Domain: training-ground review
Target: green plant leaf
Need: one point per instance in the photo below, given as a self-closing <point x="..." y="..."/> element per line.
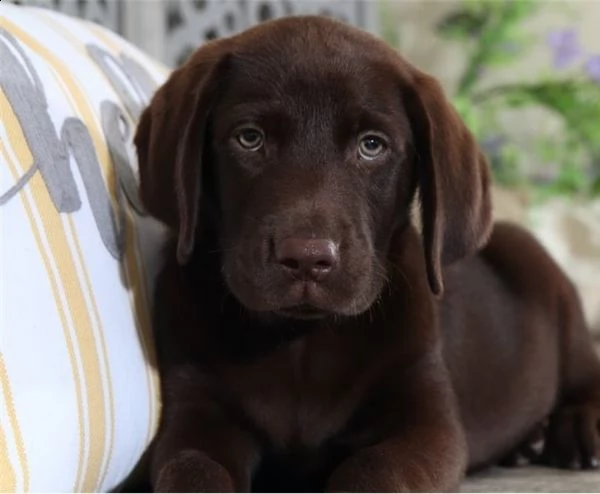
<point x="463" y="24"/>
<point x="577" y="103"/>
<point x="595" y="189"/>
<point x="499" y="57"/>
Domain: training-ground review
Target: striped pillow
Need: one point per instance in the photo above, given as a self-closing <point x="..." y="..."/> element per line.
<point x="78" y="392"/>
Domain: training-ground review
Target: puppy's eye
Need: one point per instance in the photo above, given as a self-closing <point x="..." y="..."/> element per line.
<point x="250" y="138"/>
<point x="371" y="146"/>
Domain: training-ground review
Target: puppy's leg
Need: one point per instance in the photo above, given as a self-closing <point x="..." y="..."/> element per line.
<point x="198" y="453"/>
<point x="424" y="451"/>
<point x="573" y="436"/>
<point x="402" y="464"/>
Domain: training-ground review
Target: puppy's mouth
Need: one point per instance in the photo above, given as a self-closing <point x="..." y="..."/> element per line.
<point x="302" y="311"/>
<point x="304" y="300"/>
<point x="267" y="289"/>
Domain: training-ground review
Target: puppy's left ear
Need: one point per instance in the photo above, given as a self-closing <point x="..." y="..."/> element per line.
<point x="170" y="142"/>
<point x="454" y="179"/>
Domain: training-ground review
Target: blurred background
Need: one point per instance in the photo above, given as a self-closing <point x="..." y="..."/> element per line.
<point x="524" y="75"/>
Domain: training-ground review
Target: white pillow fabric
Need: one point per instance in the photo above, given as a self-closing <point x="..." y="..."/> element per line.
<point x="79" y="396"/>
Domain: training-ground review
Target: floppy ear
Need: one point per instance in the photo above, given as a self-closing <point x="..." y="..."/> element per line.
<point x="454" y="179"/>
<point x="170" y="143"/>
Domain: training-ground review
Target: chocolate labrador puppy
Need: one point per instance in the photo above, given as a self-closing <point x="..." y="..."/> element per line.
<point x="309" y="337"/>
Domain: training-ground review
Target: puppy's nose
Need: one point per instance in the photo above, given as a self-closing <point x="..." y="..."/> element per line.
<point x="310" y="259"/>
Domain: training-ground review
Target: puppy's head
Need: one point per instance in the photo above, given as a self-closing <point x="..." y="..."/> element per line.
<point x="310" y="139"/>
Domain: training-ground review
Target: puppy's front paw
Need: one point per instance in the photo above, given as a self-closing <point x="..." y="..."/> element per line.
<point x="573" y="438"/>
<point x="193" y="471"/>
<point x="377" y="470"/>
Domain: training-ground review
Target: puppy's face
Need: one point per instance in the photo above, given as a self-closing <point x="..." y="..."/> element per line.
<point x="313" y="177"/>
<point x="310" y="137"/>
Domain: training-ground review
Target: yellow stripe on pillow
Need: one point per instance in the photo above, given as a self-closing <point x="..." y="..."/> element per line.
<point x="7" y="471"/>
<point x="105" y="390"/>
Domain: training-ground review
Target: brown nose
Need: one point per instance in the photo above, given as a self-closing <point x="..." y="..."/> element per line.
<point x="308" y="259"/>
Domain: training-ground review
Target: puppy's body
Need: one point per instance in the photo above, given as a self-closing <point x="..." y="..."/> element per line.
<point x="298" y="393"/>
<point x="533" y="356"/>
<point x="507" y="375"/>
<point x="300" y="341"/>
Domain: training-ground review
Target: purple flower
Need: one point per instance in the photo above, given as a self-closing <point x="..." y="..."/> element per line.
<point x="592" y="66"/>
<point x="565" y="47"/>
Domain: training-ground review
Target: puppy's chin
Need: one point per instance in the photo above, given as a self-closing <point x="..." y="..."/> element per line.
<point x="304" y="312"/>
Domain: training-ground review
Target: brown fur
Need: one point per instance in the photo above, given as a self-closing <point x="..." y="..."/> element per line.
<point x="416" y="357"/>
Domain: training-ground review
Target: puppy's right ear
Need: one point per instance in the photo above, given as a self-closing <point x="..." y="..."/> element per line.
<point x="170" y="140"/>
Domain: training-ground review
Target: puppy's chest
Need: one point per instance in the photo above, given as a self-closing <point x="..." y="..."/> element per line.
<point x="298" y="398"/>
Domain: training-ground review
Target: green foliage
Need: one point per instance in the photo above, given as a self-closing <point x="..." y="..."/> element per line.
<point x="493" y="34"/>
